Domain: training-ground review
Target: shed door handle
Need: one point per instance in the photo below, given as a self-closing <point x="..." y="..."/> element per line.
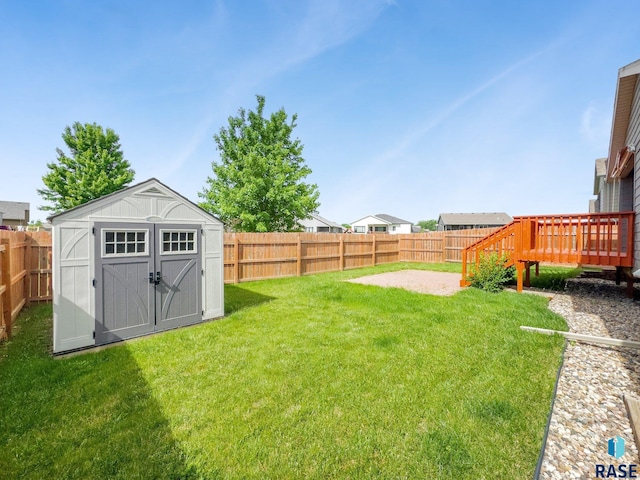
<point x="158" y="278"/>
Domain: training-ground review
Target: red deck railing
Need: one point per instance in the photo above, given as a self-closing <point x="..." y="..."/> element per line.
<point x="586" y="239"/>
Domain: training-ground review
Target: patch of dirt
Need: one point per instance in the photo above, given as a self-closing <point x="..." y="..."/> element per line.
<point x="422" y="281"/>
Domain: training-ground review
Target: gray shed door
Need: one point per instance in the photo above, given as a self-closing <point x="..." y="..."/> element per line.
<point x="148" y="278"/>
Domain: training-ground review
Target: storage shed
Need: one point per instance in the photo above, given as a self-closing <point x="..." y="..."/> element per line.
<point x="140" y="260"/>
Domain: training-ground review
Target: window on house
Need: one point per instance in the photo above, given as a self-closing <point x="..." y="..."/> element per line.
<point x="380" y="229"/>
<point x="308" y="229"/>
<point x="359" y="229"/>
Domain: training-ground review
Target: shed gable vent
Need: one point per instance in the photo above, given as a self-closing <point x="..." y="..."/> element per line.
<point x="153" y="191"/>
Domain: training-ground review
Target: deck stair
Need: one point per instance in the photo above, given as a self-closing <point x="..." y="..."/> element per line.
<point x="602" y="239"/>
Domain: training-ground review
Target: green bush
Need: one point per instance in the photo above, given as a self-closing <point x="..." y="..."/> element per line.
<point x="490" y="274"/>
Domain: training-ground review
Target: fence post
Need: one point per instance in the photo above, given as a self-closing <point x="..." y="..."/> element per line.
<point x="341" y="252"/>
<point x="299" y="260"/>
<point x="7" y="305"/>
<point x="28" y="266"/>
<point x="236" y="256"/>
<point x="373" y="249"/>
<point x="3" y="288"/>
<point x="463" y="281"/>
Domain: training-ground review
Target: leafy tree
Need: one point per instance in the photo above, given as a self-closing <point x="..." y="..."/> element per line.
<point x="258" y="184"/>
<point x="95" y="168"/>
<point x="428" y="225"/>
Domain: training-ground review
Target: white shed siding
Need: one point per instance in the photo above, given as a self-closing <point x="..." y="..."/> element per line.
<point x="71" y="287"/>
<point x="74" y="256"/>
<point x="213" y="265"/>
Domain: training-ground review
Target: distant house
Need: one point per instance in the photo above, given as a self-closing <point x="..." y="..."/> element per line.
<point x="464" y="221"/>
<point x="381" y="223"/>
<point x="600" y="188"/>
<point x="14" y="214"/>
<point x="318" y="224"/>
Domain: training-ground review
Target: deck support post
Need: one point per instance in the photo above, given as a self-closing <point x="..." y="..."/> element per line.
<point x="519" y="271"/>
<point x="527" y="275"/>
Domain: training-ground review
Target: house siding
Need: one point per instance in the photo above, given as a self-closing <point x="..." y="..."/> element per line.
<point x="611" y="196"/>
<point x="626" y="194"/>
<point x="636" y="203"/>
<point x="633" y="138"/>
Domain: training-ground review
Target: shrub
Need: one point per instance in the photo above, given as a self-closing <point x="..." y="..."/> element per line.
<point x="490" y="273"/>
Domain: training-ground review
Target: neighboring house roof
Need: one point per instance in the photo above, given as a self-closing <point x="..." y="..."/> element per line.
<point x="328" y="223"/>
<point x="625" y="90"/>
<point x="14" y="210"/>
<point x="494" y="218"/>
<point x="384" y="218"/>
<point x="391" y="218"/>
<point x="416" y="229"/>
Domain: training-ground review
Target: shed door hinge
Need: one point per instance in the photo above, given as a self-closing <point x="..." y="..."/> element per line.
<point x="202" y="312"/>
<point x="94" y="334"/>
<point x="93" y="282"/>
<point x="202" y="271"/>
<point x="93" y="230"/>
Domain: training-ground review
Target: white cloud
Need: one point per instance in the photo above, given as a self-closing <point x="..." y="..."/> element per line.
<point x="595" y="124"/>
<point x="325" y="25"/>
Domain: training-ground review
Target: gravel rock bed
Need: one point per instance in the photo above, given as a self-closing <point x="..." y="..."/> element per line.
<point x="588" y="408"/>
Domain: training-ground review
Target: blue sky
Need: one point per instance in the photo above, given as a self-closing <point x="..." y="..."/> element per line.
<point x="409" y="108"/>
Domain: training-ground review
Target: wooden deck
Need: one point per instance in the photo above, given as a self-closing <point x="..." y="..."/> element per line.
<point x="602" y="239"/>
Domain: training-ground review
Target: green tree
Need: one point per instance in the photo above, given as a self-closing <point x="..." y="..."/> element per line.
<point x="258" y="184"/>
<point x="428" y="225"/>
<point x="96" y="167"/>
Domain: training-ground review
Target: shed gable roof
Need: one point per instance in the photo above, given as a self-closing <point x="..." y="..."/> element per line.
<point x="151" y="186"/>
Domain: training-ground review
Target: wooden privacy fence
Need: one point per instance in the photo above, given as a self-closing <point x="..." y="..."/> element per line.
<point x="25" y="273"/>
<point x="258" y="256"/>
<point x="25" y="258"/>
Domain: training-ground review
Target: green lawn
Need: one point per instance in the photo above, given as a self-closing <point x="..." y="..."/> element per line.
<point x="305" y="377"/>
